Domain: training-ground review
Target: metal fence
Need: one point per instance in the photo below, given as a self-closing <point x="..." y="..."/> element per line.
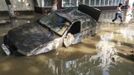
<point x="70" y="3"/>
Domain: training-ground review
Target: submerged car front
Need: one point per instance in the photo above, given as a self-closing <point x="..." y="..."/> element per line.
<point x="34" y="38"/>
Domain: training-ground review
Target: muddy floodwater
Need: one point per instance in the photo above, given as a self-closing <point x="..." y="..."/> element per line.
<point x="74" y="60"/>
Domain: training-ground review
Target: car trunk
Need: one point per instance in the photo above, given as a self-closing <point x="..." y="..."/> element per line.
<point x="93" y="12"/>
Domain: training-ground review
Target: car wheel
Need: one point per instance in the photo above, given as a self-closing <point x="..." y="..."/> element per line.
<point x="68" y="40"/>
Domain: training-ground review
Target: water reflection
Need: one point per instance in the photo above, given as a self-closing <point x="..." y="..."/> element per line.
<point x="79" y="66"/>
<point x="82" y="66"/>
<point x="128" y="33"/>
<point x="106" y="52"/>
<point x="48" y="65"/>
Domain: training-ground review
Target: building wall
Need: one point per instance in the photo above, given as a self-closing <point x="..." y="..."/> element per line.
<point x="98" y="3"/>
<point x="108" y="15"/>
<point x="18" y="5"/>
<point x="108" y="7"/>
<point x="45" y="6"/>
<point x="43" y="3"/>
<point x="105" y="5"/>
<point x="3" y="6"/>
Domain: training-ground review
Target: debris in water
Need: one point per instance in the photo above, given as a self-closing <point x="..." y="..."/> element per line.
<point x="106" y="51"/>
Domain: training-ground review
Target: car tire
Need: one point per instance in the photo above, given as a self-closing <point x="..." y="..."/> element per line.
<point x="68" y="40"/>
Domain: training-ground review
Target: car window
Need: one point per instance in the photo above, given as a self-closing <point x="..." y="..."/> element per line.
<point x="55" y="22"/>
<point x="86" y="24"/>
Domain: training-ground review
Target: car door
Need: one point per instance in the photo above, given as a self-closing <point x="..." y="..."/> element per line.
<point x="73" y="35"/>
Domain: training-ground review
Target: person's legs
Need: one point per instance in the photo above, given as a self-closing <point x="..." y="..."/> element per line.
<point x="116" y="15"/>
<point x="120" y="16"/>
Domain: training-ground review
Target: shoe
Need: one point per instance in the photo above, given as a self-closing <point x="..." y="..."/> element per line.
<point x="112" y="20"/>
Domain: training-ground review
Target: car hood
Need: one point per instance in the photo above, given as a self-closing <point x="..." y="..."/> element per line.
<point x="30" y="36"/>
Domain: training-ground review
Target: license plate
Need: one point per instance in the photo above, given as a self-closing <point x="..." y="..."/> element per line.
<point x="5" y="49"/>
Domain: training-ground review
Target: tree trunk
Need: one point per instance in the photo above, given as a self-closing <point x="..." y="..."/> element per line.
<point x="55" y="3"/>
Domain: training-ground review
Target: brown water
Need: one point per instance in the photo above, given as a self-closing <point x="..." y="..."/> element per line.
<point x="74" y="60"/>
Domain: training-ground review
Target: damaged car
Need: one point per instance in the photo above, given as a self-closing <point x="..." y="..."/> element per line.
<point x="63" y="27"/>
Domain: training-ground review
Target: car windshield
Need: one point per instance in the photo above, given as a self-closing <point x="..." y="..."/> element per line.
<point x="55" y="22"/>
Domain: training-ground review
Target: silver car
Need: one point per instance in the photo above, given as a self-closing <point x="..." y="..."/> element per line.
<point x="60" y="28"/>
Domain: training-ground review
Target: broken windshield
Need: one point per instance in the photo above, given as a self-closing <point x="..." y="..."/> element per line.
<point x="55" y="22"/>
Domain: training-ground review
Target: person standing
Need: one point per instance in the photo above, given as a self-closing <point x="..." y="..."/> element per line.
<point x="118" y="13"/>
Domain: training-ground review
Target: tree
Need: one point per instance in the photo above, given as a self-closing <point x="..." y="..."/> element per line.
<point x="54" y="6"/>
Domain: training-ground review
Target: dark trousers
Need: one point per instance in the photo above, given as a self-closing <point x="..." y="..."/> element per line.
<point x="118" y="15"/>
